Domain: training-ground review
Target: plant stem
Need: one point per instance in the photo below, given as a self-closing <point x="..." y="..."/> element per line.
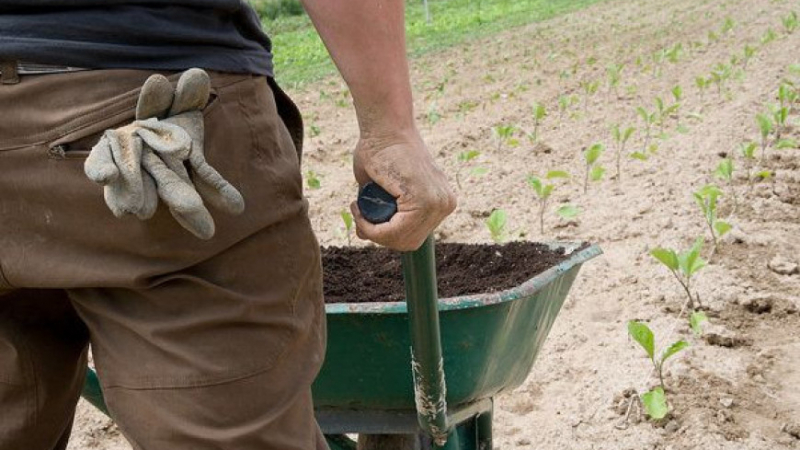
<point x="542" y="208"/>
<point x="586" y="180"/>
<point x="685" y="288"/>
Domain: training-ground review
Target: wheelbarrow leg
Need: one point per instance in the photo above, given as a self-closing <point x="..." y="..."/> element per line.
<point x="404" y="442"/>
<point x="484" y="425"/>
<point x="389" y="442"/>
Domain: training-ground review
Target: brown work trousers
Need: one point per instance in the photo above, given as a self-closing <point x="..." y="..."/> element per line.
<point x="198" y="344"/>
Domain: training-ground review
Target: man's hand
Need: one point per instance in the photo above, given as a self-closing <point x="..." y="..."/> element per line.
<point x="401" y="164"/>
<point x="366" y="39"/>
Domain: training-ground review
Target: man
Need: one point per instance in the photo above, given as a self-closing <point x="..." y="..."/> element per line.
<point x="199" y="343"/>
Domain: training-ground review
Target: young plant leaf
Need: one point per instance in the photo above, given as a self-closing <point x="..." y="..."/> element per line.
<point x="696" y="321"/>
<point x="568" y="211"/>
<point x="556" y="174"/>
<point x="347" y="219"/>
<point x="690" y="261"/>
<point x="497" y="224"/>
<point x="597" y="173"/>
<point x="722" y="227"/>
<point x="312" y="180"/>
<point x="724" y="170"/>
<point x="655" y="403"/>
<point x="764" y="175"/>
<point x="468" y="155"/>
<point x="479" y="171"/>
<point x="642" y="334"/>
<point x="673" y="349"/>
<point x="786" y="143"/>
<point x="640" y="156"/>
<point x="593" y="153"/>
<point x="667" y="257"/>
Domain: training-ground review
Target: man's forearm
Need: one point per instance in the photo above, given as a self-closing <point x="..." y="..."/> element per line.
<point x="366" y="40"/>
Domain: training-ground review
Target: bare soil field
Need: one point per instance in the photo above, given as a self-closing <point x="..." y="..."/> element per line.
<point x="737" y="386"/>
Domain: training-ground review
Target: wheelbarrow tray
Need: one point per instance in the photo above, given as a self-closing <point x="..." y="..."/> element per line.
<point x="489" y="342"/>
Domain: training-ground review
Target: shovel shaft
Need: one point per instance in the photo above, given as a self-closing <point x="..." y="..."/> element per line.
<point x="419" y="272"/>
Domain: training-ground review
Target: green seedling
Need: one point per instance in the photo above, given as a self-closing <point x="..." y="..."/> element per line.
<point x="496" y="223"/>
<point x="790" y="23"/>
<point x="655" y="403"/>
<point x="727" y="26"/>
<point x="539" y="113"/>
<point x="621" y="138"/>
<point x="544" y="191"/>
<point x="614" y="72"/>
<point x="769" y="36"/>
<point x="312" y="180"/>
<point x="673" y="55"/>
<point x="720" y="75"/>
<point x="649" y="120"/>
<point x="765" y="126"/>
<point x="589" y="88"/>
<point x="657" y="59"/>
<point x="779" y="116"/>
<point x="683" y="266"/>
<point x="748" y="54"/>
<point x="347" y="220"/>
<point x="505" y="135"/>
<point x="748" y="151"/>
<point x="702" y="85"/>
<point x="563" y="105"/>
<point x="724" y="172"/>
<point x="787" y="95"/>
<point x="593" y="170"/>
<point x="696" y="321"/>
<point x="707" y="199"/>
<point x="677" y="95"/>
<point x="433" y="115"/>
<point x="564" y="102"/>
<point x="464" y="158"/>
<point x="664" y="112"/>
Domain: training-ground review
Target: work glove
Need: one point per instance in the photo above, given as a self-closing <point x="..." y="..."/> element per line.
<point x="160" y="155"/>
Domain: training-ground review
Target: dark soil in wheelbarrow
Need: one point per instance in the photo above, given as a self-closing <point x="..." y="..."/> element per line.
<point x="372" y="274"/>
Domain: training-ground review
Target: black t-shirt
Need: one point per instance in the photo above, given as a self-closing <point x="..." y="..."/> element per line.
<point x="222" y="35"/>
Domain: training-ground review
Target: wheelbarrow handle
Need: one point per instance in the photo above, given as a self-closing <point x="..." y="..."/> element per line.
<point x="419" y="273"/>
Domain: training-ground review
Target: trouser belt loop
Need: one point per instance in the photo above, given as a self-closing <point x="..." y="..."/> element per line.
<point x="8" y="72"/>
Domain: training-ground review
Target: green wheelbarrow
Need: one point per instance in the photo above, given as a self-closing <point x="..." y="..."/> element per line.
<point x="463" y="352"/>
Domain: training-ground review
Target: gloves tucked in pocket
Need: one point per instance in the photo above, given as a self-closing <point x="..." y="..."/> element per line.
<point x="160" y="155"/>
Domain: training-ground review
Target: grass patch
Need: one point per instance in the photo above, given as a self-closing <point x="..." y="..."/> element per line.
<point x="300" y="56"/>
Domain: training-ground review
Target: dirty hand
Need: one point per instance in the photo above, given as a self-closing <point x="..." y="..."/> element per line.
<point x="401" y="164"/>
<point x="167" y="132"/>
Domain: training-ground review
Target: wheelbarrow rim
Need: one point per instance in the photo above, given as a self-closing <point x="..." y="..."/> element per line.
<point x="579" y="252"/>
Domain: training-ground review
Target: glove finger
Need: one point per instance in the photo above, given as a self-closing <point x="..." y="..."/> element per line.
<point x="165" y="137"/>
<point x="183" y="201"/>
<point x="213" y="187"/>
<point x="155" y="98"/>
<point x="177" y="193"/>
<point x="192" y="92"/>
<point x="177" y="165"/>
<point x="192" y="123"/>
<point x="199" y="223"/>
<point x="99" y="165"/>
<point x="150" y="197"/>
<point x="126" y="194"/>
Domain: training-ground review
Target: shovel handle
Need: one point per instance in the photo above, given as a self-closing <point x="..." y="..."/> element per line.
<point x="419" y="273"/>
